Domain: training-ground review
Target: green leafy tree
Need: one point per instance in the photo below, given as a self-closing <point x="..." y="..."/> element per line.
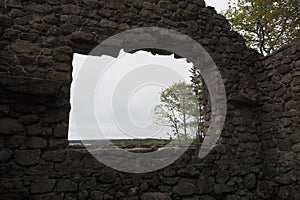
<point x="197" y="91"/>
<point x="265" y="24"/>
<point x="179" y="110"/>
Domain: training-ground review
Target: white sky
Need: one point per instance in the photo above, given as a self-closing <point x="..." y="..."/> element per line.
<point x="119" y="116"/>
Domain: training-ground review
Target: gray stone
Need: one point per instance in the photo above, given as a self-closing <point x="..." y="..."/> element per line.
<point x="37" y="129"/>
<point x="185" y="189"/>
<point x="87" y="183"/>
<point x="155" y="196"/>
<point x="83" y="195"/>
<point x="71" y="9"/>
<point x="296" y="148"/>
<point x="27" y="157"/>
<point x="4" y="110"/>
<point x="188" y="172"/>
<point x="296" y="80"/>
<point x="66" y="186"/>
<point x="36" y="143"/>
<point x="265" y="190"/>
<point x="54" y="116"/>
<point x="107" y="177"/>
<point x="284" y="179"/>
<point x="55" y="155"/>
<point x="58" y="143"/>
<point x="29" y="119"/>
<point x="286" y="193"/>
<point x="15" y="141"/>
<point x="295" y="137"/>
<point x="51" y="19"/>
<point x="250" y="181"/>
<point x="207" y="197"/>
<point x="42" y="186"/>
<point x="50" y="196"/>
<point x="82" y="36"/>
<point x="24" y="47"/>
<point x="221" y="188"/>
<point x="5" y="155"/>
<point x="133" y="191"/>
<point x="10" y="126"/>
<point x="96" y="195"/>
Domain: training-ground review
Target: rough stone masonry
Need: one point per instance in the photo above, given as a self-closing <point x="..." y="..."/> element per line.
<point x="257" y="156"/>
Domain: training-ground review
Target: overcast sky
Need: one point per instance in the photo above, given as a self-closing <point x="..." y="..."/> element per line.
<point x="127" y="92"/>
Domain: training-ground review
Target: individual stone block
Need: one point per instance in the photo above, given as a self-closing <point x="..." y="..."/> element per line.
<point x="250" y="181"/>
<point x="55" y="156"/>
<point x="61" y="130"/>
<point x="96" y="195"/>
<point x="10" y="126"/>
<point x="15" y="141"/>
<point x="4" y="110"/>
<point x="25" y="47"/>
<point x="36" y="143"/>
<point x="28" y="119"/>
<point x="50" y="196"/>
<point x="155" y="196"/>
<point x="58" y="143"/>
<point x="87" y="183"/>
<point x="42" y="186"/>
<point x="27" y="157"/>
<point x="221" y="188"/>
<point x="66" y="186"/>
<point x="5" y="155"/>
<point x="185" y="189"/>
<point x="296" y="148"/>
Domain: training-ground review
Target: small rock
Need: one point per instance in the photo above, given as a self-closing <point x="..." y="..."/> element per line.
<point x="42" y="186"/>
<point x="87" y="183"/>
<point x="10" y="126"/>
<point x="27" y="157"/>
<point x="96" y="195"/>
<point x="58" y="143"/>
<point x="220" y="188"/>
<point x="50" y="196"/>
<point x="155" y="196"/>
<point x="296" y="148"/>
<point x="287" y="193"/>
<point x="133" y="191"/>
<point x="188" y="172"/>
<point x="82" y="36"/>
<point x="5" y="155"/>
<point x="250" y="181"/>
<point x="4" y="110"/>
<point x="15" y="141"/>
<point x="28" y="119"/>
<point x="295" y="137"/>
<point x="71" y="9"/>
<point x="25" y="47"/>
<point x="36" y="143"/>
<point x="51" y="19"/>
<point x="83" y="195"/>
<point x="265" y="190"/>
<point x="185" y="189"/>
<point x="284" y="179"/>
<point x="66" y="186"/>
<point x="55" y="156"/>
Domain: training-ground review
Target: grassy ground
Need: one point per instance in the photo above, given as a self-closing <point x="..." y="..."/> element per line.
<point x="127" y="143"/>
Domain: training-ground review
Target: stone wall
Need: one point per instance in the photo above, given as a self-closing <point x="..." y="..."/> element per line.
<point x="278" y="81"/>
<point x="257" y="156"/>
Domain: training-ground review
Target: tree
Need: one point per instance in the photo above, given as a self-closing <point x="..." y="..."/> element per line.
<point x="179" y="110"/>
<point x="198" y="90"/>
<point x="265" y="24"/>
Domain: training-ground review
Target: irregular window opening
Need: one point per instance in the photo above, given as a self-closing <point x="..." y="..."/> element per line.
<point x="162" y="94"/>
